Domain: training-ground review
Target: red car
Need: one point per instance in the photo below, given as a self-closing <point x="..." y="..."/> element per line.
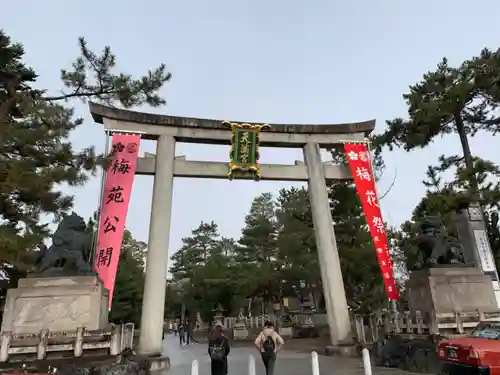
<point x="478" y="354"/>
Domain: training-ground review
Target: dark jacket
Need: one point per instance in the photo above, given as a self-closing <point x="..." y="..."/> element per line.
<point x="219" y="367"/>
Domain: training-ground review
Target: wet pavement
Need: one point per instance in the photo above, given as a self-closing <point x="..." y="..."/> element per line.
<point x="288" y="362"/>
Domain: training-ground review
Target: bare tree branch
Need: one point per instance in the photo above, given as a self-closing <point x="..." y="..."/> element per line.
<point x="390" y="186"/>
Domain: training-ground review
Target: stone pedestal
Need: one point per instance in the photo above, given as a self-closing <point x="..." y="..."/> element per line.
<point x="240" y="331"/>
<point x="286" y="332"/>
<point x="450" y="289"/>
<point x="56" y="304"/>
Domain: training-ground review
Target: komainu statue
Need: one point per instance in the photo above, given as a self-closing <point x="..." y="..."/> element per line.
<point x="69" y="254"/>
<point x="435" y="247"/>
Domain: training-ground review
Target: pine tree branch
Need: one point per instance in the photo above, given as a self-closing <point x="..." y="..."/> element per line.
<point x="384" y="194"/>
<point x="11" y="91"/>
<point x="79" y="95"/>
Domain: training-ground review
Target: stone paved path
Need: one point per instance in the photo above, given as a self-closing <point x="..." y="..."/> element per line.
<point x="288" y="363"/>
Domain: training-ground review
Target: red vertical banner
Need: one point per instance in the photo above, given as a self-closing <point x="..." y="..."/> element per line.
<point x="114" y="206"/>
<point x="360" y="165"/>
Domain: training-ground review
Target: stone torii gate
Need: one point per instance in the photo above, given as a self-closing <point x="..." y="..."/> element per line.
<point x="164" y="166"/>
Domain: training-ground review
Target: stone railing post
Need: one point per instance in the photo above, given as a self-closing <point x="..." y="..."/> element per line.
<point x="78" y="347"/>
<point x="420" y="321"/>
<point x="41" y="349"/>
<point x="114" y="347"/>
<point x="127" y="341"/>
<point x="5" y="339"/>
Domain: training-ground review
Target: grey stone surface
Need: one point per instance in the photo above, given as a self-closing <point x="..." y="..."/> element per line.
<point x="240" y="331"/>
<point x="465" y="228"/>
<point x="286" y="332"/>
<point x="288" y="363"/>
<point x="100" y="111"/>
<point x="56" y="304"/>
<point x="218" y="170"/>
<point x="477" y="248"/>
<point x="339" y="321"/>
<point x="451" y="289"/>
<point x="153" y="301"/>
<point x="469" y="223"/>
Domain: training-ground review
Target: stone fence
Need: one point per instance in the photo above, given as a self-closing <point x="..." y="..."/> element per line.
<point x="371" y="328"/>
<point x="55" y="345"/>
<point x="257" y="322"/>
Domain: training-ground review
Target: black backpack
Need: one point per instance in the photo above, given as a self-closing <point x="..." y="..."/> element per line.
<point x="218" y="353"/>
<point x="268" y="345"/>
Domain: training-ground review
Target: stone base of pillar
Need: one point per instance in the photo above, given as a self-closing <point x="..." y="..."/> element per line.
<point x="343" y="351"/>
<point x="159" y="363"/>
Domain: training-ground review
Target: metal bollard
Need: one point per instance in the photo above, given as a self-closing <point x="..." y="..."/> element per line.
<point x="367" y="364"/>
<point x="315" y="363"/>
<point x="194" y="367"/>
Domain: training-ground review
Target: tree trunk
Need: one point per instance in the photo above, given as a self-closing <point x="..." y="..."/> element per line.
<point x="469" y="163"/>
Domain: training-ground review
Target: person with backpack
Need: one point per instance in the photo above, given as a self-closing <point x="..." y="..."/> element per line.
<point x="218" y="350"/>
<point x="181" y="331"/>
<point x="269" y="342"/>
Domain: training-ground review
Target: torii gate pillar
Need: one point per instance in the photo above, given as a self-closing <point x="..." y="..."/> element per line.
<point x="333" y="285"/>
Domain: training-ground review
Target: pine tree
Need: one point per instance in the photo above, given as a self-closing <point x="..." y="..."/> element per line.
<point x="459" y="100"/>
<point x="450" y="100"/>
<point x="297" y="246"/>
<point x="258" y="237"/>
<point x="257" y="253"/>
<point x="129" y="284"/>
<point x="204" y="273"/>
<point x="36" y="156"/>
<point x="196" y="250"/>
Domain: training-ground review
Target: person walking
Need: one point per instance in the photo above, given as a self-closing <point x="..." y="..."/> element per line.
<point x="189" y="332"/>
<point x="174" y="328"/>
<point x="269" y="342"/>
<point x="180" y="331"/>
<point x="218" y="350"/>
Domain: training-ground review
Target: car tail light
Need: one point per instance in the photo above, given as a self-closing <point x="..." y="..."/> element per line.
<point x="441" y="353"/>
<point x="473" y="354"/>
<point x="473" y="357"/>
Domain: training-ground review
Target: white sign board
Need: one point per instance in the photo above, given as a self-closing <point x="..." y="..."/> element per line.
<point x="484" y="251"/>
<point x="486" y="258"/>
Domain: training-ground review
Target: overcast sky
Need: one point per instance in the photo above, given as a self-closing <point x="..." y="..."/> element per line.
<point x="316" y="61"/>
